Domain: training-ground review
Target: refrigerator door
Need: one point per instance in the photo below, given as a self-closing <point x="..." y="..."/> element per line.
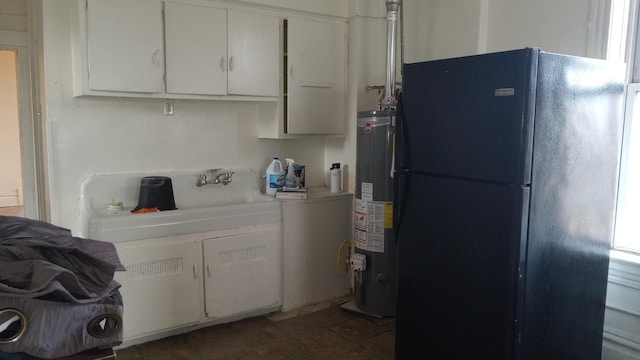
<point x="573" y="197"/>
<point x="459" y="259"/>
<point x="471" y="117"/>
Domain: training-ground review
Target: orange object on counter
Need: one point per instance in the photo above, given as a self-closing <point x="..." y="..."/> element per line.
<point x="145" y="210"/>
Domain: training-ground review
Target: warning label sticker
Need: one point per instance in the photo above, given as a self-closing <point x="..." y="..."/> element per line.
<point x="370" y="224"/>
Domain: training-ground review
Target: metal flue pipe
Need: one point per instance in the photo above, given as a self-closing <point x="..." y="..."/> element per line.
<point x="393" y="8"/>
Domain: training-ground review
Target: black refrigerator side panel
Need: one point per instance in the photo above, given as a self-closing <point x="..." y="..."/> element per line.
<point x="573" y="190"/>
<point x="459" y="258"/>
<point x="471" y="117"/>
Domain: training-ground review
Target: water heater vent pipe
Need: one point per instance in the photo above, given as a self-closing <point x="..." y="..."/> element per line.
<point x="393" y="8"/>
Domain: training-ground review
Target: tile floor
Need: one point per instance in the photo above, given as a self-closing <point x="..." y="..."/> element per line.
<point x="325" y="333"/>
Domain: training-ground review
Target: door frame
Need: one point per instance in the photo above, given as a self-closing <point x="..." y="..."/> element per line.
<point x="31" y="137"/>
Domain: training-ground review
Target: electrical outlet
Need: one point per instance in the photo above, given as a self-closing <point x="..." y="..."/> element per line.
<point x="168" y="107"/>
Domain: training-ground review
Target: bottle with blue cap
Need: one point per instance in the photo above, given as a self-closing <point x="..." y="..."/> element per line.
<point x="274" y="177"/>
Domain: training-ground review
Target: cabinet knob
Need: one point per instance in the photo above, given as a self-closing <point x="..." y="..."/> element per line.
<point x="231" y="63"/>
<point x="155" y="58"/>
<point x="223" y="63"/>
<point x="208" y="270"/>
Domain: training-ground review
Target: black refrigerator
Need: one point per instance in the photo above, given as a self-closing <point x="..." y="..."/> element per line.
<point x="507" y="168"/>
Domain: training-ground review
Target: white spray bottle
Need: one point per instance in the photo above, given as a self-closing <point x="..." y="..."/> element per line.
<point x="290" y="179"/>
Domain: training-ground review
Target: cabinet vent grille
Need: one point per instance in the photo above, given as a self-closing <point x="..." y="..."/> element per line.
<point x="156" y="268"/>
<point x="243" y="255"/>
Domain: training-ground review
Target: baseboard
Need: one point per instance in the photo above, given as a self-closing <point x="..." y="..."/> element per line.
<point x="9" y="199"/>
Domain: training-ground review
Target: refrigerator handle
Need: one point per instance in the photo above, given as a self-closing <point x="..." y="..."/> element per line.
<point x="400" y="187"/>
<point x="401" y="162"/>
<point x="402" y="159"/>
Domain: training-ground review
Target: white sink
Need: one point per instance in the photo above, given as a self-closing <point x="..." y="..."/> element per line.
<point x="200" y="209"/>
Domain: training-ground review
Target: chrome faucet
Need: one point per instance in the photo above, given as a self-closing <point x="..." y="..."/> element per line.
<point x="219" y="177"/>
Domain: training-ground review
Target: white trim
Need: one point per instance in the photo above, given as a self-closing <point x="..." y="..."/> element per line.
<point x="483" y="23"/>
<point x="623" y="257"/>
<point x="598" y="24"/>
<point x="13" y="38"/>
<point x="620" y="338"/>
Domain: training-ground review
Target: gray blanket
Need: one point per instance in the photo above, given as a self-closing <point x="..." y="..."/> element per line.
<point x="40" y="260"/>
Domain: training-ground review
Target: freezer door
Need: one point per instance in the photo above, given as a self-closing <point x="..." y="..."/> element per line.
<point x="470" y="117"/>
<point x="459" y="258"/>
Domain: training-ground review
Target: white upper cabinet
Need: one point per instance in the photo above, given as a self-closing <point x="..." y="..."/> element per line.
<point x="124" y="45"/>
<point x="254" y="54"/>
<point x="213" y="51"/>
<point x="196" y="49"/>
<point x="316" y="86"/>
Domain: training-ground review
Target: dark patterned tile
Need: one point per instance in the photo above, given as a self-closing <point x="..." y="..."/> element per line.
<point x="358" y="329"/>
<point x="301" y="325"/>
<point x="330" y="333"/>
<point x="333" y="316"/>
<point x="351" y="351"/>
<point x="323" y="339"/>
<point x="285" y="350"/>
<point x="383" y="343"/>
<point x="130" y="353"/>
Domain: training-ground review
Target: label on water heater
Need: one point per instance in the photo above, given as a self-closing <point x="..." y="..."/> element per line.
<point x="367" y="191"/>
<point x="369" y="225"/>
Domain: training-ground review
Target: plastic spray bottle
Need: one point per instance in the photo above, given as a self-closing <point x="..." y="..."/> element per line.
<point x="290" y="180"/>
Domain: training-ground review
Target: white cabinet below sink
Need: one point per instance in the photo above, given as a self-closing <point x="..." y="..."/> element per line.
<point x="243" y="271"/>
<point x="176" y="281"/>
<point x="161" y="288"/>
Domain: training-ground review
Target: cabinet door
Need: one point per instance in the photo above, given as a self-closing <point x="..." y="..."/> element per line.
<point x="254" y="54"/>
<point x="161" y="287"/>
<point x="316" y="53"/>
<point x="196" y="49"/>
<point x="125" y="45"/>
<point x="243" y="272"/>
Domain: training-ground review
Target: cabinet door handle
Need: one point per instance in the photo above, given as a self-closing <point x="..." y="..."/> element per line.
<point x="208" y="270"/>
<point x="155" y="58"/>
<point x="231" y="63"/>
<point x="195" y="271"/>
<point x="223" y="63"/>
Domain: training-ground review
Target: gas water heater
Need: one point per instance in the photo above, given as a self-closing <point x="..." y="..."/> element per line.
<point x="374" y="260"/>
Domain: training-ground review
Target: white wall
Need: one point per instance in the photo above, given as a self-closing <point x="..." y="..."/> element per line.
<point x="91" y="135"/>
<point x="552" y="25"/>
<point x="437" y="29"/>
<point x="11" y="175"/>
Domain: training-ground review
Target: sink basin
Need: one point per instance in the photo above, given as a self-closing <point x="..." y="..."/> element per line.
<point x="199" y="209"/>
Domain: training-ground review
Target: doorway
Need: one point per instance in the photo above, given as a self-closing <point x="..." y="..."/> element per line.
<point x="11" y="191"/>
<point x="22" y="171"/>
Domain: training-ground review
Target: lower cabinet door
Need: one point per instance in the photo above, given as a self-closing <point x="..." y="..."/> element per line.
<point x="242" y="271"/>
<point x="161" y="287"/>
